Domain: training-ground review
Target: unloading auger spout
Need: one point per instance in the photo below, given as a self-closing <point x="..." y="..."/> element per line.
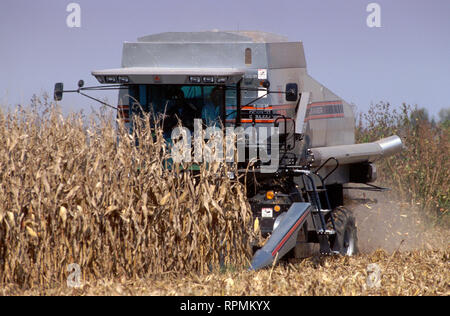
<point x="356" y="153"/>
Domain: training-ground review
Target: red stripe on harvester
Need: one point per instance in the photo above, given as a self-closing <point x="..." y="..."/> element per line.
<point x="256" y="108"/>
<point x="283" y="107"/>
<point x="288" y="235"/>
<point x="256" y="121"/>
<point x="325" y="103"/>
<point x="316" y="117"/>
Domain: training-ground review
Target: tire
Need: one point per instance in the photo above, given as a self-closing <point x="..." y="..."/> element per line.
<point x="346" y="238"/>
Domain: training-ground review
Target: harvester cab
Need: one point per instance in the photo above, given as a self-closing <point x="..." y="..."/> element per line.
<point x="298" y="134"/>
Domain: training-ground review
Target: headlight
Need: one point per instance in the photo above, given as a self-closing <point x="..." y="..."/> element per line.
<point x="195" y="79"/>
<point x="123" y="79"/>
<point x="100" y="79"/>
<point x="208" y="79"/>
<point x="110" y="79"/>
<point x="221" y="79"/>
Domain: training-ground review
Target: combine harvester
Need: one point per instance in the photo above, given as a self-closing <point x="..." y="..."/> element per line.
<point x="258" y="80"/>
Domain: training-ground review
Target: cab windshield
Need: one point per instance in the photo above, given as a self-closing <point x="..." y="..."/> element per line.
<point x="170" y="103"/>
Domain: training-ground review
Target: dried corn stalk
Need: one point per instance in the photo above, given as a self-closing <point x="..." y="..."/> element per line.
<point x="70" y="192"/>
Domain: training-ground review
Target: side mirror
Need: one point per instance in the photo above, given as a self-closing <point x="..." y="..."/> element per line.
<point x="291" y="92"/>
<point x="59" y="89"/>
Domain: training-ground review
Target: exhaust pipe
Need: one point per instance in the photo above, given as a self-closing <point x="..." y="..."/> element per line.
<point x="356" y="153"/>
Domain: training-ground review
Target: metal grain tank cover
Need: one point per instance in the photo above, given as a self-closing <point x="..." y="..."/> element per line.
<point x="214" y="50"/>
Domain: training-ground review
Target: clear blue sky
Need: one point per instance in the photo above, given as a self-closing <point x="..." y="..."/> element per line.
<point x="406" y="60"/>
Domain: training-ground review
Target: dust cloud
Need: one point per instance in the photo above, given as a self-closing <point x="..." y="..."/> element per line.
<point x="386" y="222"/>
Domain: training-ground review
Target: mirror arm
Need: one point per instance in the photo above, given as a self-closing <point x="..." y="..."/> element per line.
<point x="95" y="99"/>
<point x="111" y="87"/>
<point x="81" y="88"/>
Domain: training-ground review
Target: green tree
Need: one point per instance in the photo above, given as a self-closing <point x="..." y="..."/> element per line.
<point x="444" y="117"/>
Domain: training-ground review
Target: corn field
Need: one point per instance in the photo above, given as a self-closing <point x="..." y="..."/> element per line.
<point x="421" y="172"/>
<point x="80" y="191"/>
<point x="77" y="190"/>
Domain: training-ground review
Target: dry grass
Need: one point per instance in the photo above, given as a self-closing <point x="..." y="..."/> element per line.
<point x="70" y="193"/>
<point x="408" y="273"/>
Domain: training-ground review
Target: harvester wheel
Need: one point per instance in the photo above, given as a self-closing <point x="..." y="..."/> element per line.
<point x="346" y="240"/>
